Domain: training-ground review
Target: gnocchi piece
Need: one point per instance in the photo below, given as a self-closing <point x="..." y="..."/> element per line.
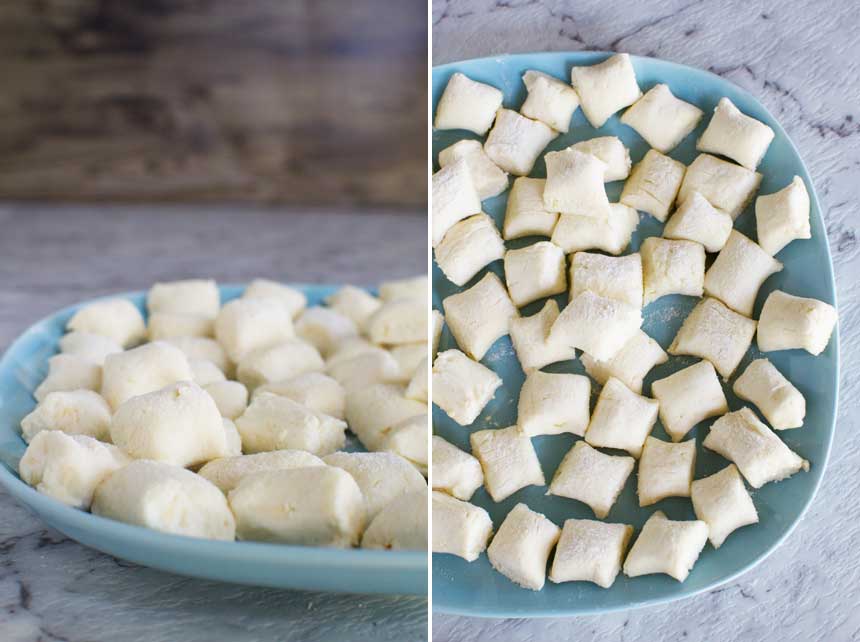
<point x="349" y="348"/>
<point x="552" y="404"/>
<point x="598" y="325"/>
<point x="142" y="370"/>
<point x="525" y="214"/>
<point x="590" y="551"/>
<point x="672" y="267"/>
<point x="354" y="303"/>
<point x="467" y="104"/>
<point x="630" y="365"/>
<point x="459" y="528"/>
<point x="781" y="403"/>
<point x="697" y="220"/>
<point x="419" y="383"/>
<point x="515" y="142"/>
<point x="653" y="185"/>
<point x="310" y="506"/>
<point x="759" y="454"/>
<point x="723" y="503"/>
<point x="205" y="372"/>
<point x="621" y="419"/>
<point x="293" y="299"/>
<point x="191" y="297"/>
<point x="788" y="322"/>
<point x="92" y="347"/>
<point x="783" y="216"/>
<point x="245" y="325"/>
<point x="455" y="471"/>
<point x="666" y="546"/>
<point x="489" y="180"/>
<point x="165" y="498"/>
<point x="366" y="369"/>
<point x="665" y="470"/>
<point x="202" y="348"/>
<point x="409" y="356"/>
<point x="738" y="272"/>
<point x="521" y="547"/>
<point x="574" y="184"/>
<point x="116" y="319"/>
<point x="231" y="397"/>
<point x="373" y="412"/>
<point x="662" y="119"/>
<point x="68" y="467"/>
<point x="532" y="342"/>
<point x="591" y="477"/>
<point x="534" y="272"/>
<point x="278" y="362"/>
<point x="67" y="372"/>
<point x="227" y="472"/>
<point x="611" y="151"/>
<point x="618" y="278"/>
<point x="508" y="459"/>
<point x="726" y="186"/>
<point x="234" y="439"/>
<point x="549" y="100"/>
<point x="415" y="288"/>
<point x="462" y="387"/>
<point x="733" y="134"/>
<point x="605" y="88"/>
<point x="325" y="329"/>
<point x="688" y="397"/>
<point x="401" y="525"/>
<point x="575" y="233"/>
<point x="454" y="198"/>
<point x="408" y="439"/>
<point x="167" y="325"/>
<point x="716" y="333"/>
<point x="468" y="247"/>
<point x="74" y="412"/>
<point x="477" y="317"/>
<point x="438" y="323"/>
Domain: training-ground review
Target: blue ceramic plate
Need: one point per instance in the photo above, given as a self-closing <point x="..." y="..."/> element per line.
<point x="476" y="589"/>
<point x="320" y="569"/>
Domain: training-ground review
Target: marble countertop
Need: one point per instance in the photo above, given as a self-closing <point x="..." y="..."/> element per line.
<point x="55" y="590"/>
<point x="802" y="64"/>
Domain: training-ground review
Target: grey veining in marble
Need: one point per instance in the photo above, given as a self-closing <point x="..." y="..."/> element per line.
<point x="55" y="590"/>
<point x="800" y="59"/>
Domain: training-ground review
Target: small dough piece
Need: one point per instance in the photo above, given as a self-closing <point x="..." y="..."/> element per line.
<point x="467" y="104"/>
<point x="192" y="297"/>
<point x="227" y="472"/>
<point x="630" y="365"/>
<point x="374" y="412"/>
<point x="245" y="325"/>
<point x="202" y="348"/>
<point x="611" y="151"/>
<point x="401" y="525"/>
<point x="314" y="390"/>
<point x="783" y="216"/>
<point x="534" y="272"/>
<point x="574" y="184"/>
<point x="599" y="326"/>
<point x="738" y="272"/>
<point x="468" y="247"/>
<point x="662" y="119"/>
<point x="508" y="459"/>
<point x="552" y="404"/>
<point x="521" y="547"/>
<point x="409" y="356"/>
<point x="459" y="528"/>
<point x="605" y="88"/>
<point x="714" y="332"/>
<point x="653" y="184"/>
<point x="74" y="412"/>
<point x="167" y="325"/>
<point x="454" y="198"/>
<point x="455" y="471"/>
<point x="672" y="267"/>
<point x="462" y="387"/>
<point x="231" y="397"/>
<point x="418" y="387"/>
<point x="234" y="439"/>
<point x="414" y="288"/>
<point x="92" y="347"/>
<point x="67" y="372"/>
<point x="735" y="135"/>
<point x="760" y="455"/>
<point x="205" y="372"/>
<point x="438" y="321"/>
<point x="697" y="220"/>
<point x="479" y="316"/>
<point x="278" y="362"/>
<point x="549" y="100"/>
<point x="788" y="322"/>
<point x="293" y="299"/>
<point x="354" y="303"/>
<point x="116" y="319"/>
<point x="726" y="186"/>
<point x="665" y="470"/>
<point x="325" y="329"/>
<point x="349" y="348"/>
<point x="666" y="546"/>
<point x="165" y="498"/>
<point x="68" y="467"/>
<point x="618" y="278"/>
<point x="621" y="419"/>
<point x="309" y="506"/>
<point x="515" y="142"/>
<point x="688" y="397"/>
<point x="723" y="503"/>
<point x="489" y="180"/>
<point x="575" y="233"/>
<point x="532" y="340"/>
<point x="142" y="370"/>
<point x="408" y="439"/>
<point x="591" y="477"/>
<point x="781" y="403"/>
<point x="365" y="369"/>
<point x="590" y="551"/>
<point x="525" y="214"/>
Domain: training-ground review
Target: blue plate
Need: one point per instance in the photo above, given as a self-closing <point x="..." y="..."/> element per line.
<point x="476" y="589"/>
<point x="297" y="567"/>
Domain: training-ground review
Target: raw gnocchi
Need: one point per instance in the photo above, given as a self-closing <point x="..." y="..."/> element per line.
<point x="789" y="321"/>
<point x="597" y="325"/>
<point x="489" y="179"/>
<point x="459" y="528"/>
<point x="549" y="100"/>
<point x="688" y="397"/>
<point x="467" y="104"/>
<point x="621" y="419"/>
<point x="666" y="546"/>
<point x="590" y="551"/>
<point x="653" y="184"/>
<point x="515" y="142"/>
<point x="591" y="477"/>
<point x="468" y="247"/>
<point x="533" y="343"/>
<point x="508" y="459"/>
<point x="462" y="386"/>
<point x="521" y="547"/>
<point x="477" y="317"/>
<point x="605" y="88"/>
<point x="733" y="134"/>
<point x="779" y="401"/>
<point x="552" y="404"/>
<point x="662" y="119"/>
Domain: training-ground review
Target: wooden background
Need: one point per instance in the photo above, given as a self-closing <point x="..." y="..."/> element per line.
<point x="290" y="101"/>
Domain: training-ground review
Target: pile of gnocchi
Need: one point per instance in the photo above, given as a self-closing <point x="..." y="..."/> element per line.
<point x="228" y="422"/>
<point x="607" y="290"/>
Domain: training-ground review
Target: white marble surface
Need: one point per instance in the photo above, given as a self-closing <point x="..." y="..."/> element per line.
<point x="54" y="590"/>
<point x="800" y="59"/>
